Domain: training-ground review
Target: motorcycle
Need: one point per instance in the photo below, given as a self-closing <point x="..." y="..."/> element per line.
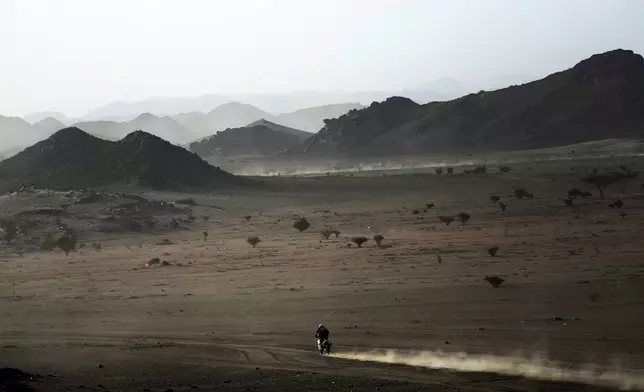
<point x="324" y="346"/>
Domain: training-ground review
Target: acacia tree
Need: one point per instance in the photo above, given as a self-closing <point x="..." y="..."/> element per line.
<point x="603" y="181"/>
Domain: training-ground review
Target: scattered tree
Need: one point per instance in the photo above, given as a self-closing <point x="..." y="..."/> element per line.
<point x="494" y="281"/>
<point x="464" y="217"/>
<point x="205" y="235"/>
<point x="253" y="241"/>
<point x="438" y="171"/>
<point x="415" y="212"/>
<point x="359" y="241"/>
<point x="569" y="201"/>
<point x="301" y="224"/>
<point x="205" y="218"/>
<point x="503" y="206"/>
<point x="247" y="217"/>
<point x="495" y="199"/>
<point x="430" y="205"/>
<point x="450" y="170"/>
<point x="326" y="233"/>
<point x="67" y="243"/>
<point x="493" y="250"/>
<point x="97" y="247"/>
<point x="603" y="181"/>
<point x="174" y="224"/>
<point x="446" y="219"/>
<point x="378" y="238"/>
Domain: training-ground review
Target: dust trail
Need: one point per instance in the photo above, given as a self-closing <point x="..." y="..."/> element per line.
<point x="535" y="367"/>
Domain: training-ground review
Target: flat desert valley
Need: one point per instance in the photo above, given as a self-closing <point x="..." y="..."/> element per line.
<point x="415" y="313"/>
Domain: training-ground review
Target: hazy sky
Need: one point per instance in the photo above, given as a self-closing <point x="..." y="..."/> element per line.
<point x="72" y="55"/>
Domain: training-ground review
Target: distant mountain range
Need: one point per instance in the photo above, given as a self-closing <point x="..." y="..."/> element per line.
<point x="179" y="129"/>
<point x="258" y="138"/>
<point x="71" y="158"/>
<point x="600" y="97"/>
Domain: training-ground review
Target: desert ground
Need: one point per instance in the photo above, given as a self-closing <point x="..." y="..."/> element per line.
<point x="222" y="315"/>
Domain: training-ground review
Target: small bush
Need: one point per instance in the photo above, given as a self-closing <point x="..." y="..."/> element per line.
<point x="492" y="251"/>
<point x="326" y="233"/>
<point x="247" y="217"/>
<point x="521" y="194"/>
<point x="205" y="218"/>
<point x="253" y="241"/>
<point x="503" y="206"/>
<point x="450" y="170"/>
<point x="359" y="241"/>
<point x="495" y="199"/>
<point x="430" y="205"/>
<point x="97" y="247"/>
<point x="415" y="212"/>
<point x="494" y="281"/>
<point x="464" y="217"/>
<point x="205" y="235"/>
<point x="301" y="224"/>
<point x="378" y="238"/>
<point x="505" y="169"/>
<point x="446" y="219"/>
<point x="438" y="171"/>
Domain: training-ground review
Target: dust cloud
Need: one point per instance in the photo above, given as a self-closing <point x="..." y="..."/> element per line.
<point x="536" y="367"/>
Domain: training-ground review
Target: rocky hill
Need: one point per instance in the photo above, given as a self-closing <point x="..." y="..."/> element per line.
<point x="47" y="126"/>
<point x="259" y="138"/>
<point x="312" y="119"/>
<point x="600" y="97"/>
<point x="71" y="158"/>
<point x="17" y="133"/>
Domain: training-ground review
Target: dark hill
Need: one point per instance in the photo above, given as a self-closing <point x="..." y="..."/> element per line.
<point x="259" y="138"/>
<point x="600" y="97"/>
<point x="72" y="158"/>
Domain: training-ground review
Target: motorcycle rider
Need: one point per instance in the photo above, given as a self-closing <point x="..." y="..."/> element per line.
<point x="322" y="333"/>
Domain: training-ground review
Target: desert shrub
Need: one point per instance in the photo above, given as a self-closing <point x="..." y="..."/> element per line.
<point x="430" y="205"/>
<point x="326" y="233"/>
<point x="593" y="297"/>
<point x="616" y="204"/>
<point x="67" y="243"/>
<point x="247" y="217"/>
<point x="187" y="201"/>
<point x="505" y="169"/>
<point x="492" y="251"/>
<point x="569" y="201"/>
<point x="494" y="281"/>
<point x="495" y="199"/>
<point x="503" y="206"/>
<point x="97" y="246"/>
<point x="253" y="241"/>
<point x="446" y="219"/>
<point x="521" y="194"/>
<point x="301" y="224"/>
<point x="415" y="212"/>
<point x="205" y="235"/>
<point x="205" y="218"/>
<point x="438" y="171"/>
<point x="10" y="230"/>
<point x="464" y="217"/>
<point x="359" y="241"/>
<point x="378" y="238"/>
<point x="450" y="170"/>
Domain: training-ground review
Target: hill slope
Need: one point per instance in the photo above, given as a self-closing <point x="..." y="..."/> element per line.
<point x="72" y="158"/>
<point x="16" y="133"/>
<point x="600" y="97"/>
<point x="312" y="119"/>
<point x="259" y="138"/>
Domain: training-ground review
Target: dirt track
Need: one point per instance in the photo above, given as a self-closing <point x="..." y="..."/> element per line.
<point x="230" y="305"/>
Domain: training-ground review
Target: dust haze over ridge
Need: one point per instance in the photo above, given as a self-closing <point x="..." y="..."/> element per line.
<point x="69" y="57"/>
